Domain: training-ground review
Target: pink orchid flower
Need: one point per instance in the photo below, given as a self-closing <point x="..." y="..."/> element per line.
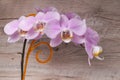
<point x="91" y="40"/>
<point x="65" y="30"/>
<point x="14" y="30"/>
<point x="40" y="22"/>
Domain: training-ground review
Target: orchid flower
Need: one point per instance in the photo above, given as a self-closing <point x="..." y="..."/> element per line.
<point x="65" y="30"/>
<point x="40" y="22"/>
<point x="91" y="39"/>
<point x="14" y="30"/>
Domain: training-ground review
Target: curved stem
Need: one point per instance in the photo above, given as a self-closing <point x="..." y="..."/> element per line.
<point x="39" y="52"/>
<point x="22" y="58"/>
<point x="31" y="48"/>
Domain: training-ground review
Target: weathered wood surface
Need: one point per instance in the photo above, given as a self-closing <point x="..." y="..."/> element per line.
<point x="70" y="62"/>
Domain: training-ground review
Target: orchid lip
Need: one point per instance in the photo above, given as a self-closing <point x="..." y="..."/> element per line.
<point x="39" y="26"/>
<point x="66" y="36"/>
<point x="22" y="33"/>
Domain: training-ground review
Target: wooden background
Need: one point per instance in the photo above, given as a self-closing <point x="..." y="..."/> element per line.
<point x="69" y="62"/>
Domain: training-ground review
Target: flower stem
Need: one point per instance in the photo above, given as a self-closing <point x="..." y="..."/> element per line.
<point x="22" y="58"/>
<point x="32" y="47"/>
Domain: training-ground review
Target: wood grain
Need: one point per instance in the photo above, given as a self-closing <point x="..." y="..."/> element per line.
<point x="69" y="62"/>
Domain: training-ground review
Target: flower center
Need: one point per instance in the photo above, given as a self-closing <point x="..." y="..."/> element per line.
<point x="39" y="27"/>
<point x="97" y="50"/>
<point x="66" y="36"/>
<point x="22" y="33"/>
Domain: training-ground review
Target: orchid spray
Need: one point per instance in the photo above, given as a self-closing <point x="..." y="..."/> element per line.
<point x="68" y="27"/>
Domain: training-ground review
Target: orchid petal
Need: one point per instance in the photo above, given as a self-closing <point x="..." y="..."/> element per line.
<point x="32" y="34"/>
<point x="77" y="26"/>
<point x="49" y="9"/>
<point x="88" y="48"/>
<point x="72" y="15"/>
<point x="56" y="41"/>
<point x="52" y="29"/>
<point x="21" y="18"/>
<point x="27" y="24"/>
<point x="49" y="16"/>
<point x="92" y="36"/>
<point x="39" y="16"/>
<point x="63" y="21"/>
<point x="11" y="27"/>
<point x="77" y="39"/>
<point x="13" y="38"/>
<point x="38" y="37"/>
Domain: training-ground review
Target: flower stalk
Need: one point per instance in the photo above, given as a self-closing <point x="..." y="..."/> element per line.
<point x="32" y="47"/>
<point x="22" y="58"/>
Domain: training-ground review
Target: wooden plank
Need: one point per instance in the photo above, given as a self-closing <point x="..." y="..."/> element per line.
<point x="64" y="64"/>
<point x="21" y="7"/>
<point x="92" y="7"/>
